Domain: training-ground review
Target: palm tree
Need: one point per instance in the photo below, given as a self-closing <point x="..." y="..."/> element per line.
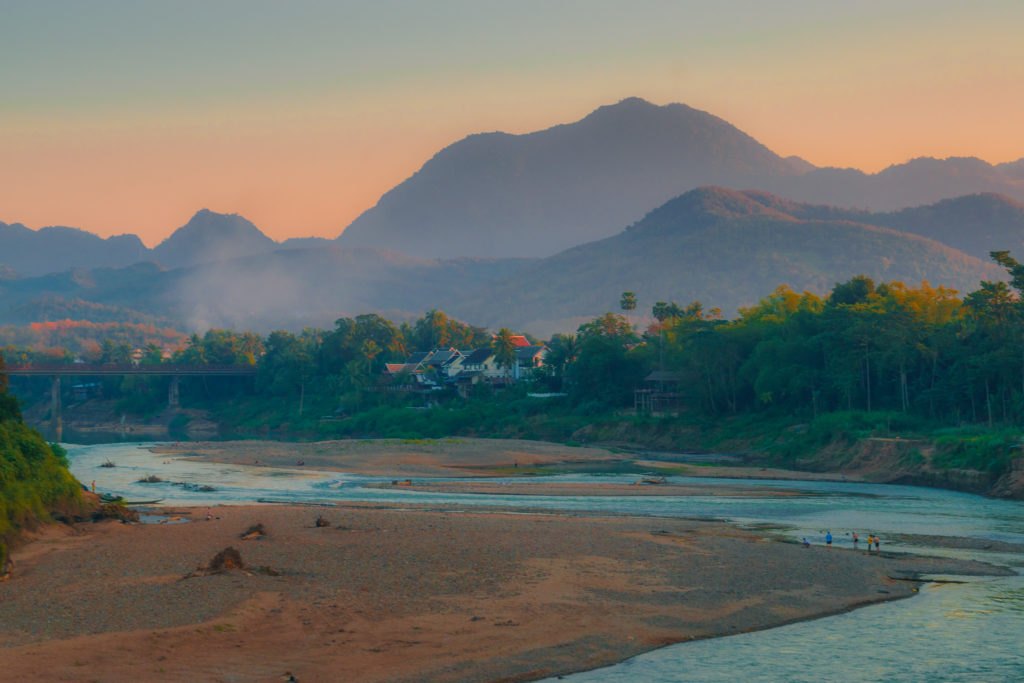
<point x="504" y="349"/>
<point x="628" y="303"/>
<point x="562" y="354"/>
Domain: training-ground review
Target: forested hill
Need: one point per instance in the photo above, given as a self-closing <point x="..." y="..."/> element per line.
<point x="52" y="249"/>
<point x="723" y="248"/>
<point x="976" y="224"/>
<point x="207" y="237"/>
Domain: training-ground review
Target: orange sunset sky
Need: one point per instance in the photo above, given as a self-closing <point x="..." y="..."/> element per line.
<point x="130" y="116"/>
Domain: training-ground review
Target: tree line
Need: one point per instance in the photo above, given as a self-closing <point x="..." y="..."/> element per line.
<point x="864" y="346"/>
<point x="891" y="347"/>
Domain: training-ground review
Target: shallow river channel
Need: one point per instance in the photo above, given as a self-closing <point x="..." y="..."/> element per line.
<point x="969" y="631"/>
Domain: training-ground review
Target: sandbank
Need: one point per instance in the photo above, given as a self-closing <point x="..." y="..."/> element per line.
<point x="453" y="457"/>
<point x="467" y="457"/>
<point x="410" y="593"/>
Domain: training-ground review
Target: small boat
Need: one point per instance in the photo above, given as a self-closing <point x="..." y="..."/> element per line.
<point x="110" y="498"/>
<point x="143" y="502"/>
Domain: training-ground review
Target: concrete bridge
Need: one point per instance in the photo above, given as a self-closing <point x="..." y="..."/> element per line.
<point x="175" y="372"/>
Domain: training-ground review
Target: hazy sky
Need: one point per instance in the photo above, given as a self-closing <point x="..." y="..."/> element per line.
<point x="128" y="116"/>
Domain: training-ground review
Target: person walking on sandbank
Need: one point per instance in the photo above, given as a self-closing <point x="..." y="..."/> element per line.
<point x="828" y="539"/>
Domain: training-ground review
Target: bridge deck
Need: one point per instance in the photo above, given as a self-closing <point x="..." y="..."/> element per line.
<point x="98" y="370"/>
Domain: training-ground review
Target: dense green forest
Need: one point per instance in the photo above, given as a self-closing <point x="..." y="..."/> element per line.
<point x="34" y="479"/>
<point x="865" y="357"/>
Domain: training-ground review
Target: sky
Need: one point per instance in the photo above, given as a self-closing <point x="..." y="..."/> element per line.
<point x="128" y="116"/>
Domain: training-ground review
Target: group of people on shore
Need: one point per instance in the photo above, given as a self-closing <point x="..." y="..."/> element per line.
<point x="872" y="539"/>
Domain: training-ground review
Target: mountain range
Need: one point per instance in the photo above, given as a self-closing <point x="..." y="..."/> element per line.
<point x="208" y="237"/>
<point x="723" y="247"/>
<point x="57" y="248"/>
<point x="726" y="249"/>
<point x="542" y="230"/>
<point x="496" y="195"/>
<point x="536" y="194"/>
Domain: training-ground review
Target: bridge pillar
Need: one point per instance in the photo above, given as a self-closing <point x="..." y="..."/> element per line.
<point x="56" y="421"/>
<point x="172" y="392"/>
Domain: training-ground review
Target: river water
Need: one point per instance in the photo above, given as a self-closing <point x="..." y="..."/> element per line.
<point x="970" y="631"/>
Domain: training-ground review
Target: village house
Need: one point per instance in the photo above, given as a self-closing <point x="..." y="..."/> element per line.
<point x="528" y="359"/>
<point x="444" y="361"/>
<point x="483" y="362"/>
<point x="428" y="370"/>
<point x="660" y="393"/>
<point x="414" y="369"/>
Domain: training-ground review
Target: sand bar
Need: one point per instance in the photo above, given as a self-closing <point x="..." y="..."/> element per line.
<point x="464" y="457"/>
<point x="454" y="457"/>
<point x="409" y="594"/>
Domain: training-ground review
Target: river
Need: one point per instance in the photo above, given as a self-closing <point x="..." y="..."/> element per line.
<point x="971" y="631"/>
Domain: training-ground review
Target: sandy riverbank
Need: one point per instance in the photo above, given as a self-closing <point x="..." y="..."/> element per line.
<point x="454" y="457"/>
<point x="408" y="594"/>
<point x="465" y="457"/>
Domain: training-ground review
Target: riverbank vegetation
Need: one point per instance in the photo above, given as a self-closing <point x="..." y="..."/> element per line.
<point x="934" y="380"/>
<point x="34" y="479"/>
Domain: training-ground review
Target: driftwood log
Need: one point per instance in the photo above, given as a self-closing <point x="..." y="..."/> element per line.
<point x="256" y="531"/>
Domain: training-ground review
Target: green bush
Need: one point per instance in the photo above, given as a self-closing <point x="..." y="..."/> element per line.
<point x="976" y="449"/>
<point x="34" y="479"/>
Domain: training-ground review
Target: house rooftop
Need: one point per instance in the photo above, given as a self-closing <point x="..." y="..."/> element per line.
<point x="527" y="352"/>
<point x="397" y="368"/>
<point x="442" y="356"/>
<point x="417" y="357"/>
<point x="478" y="356"/>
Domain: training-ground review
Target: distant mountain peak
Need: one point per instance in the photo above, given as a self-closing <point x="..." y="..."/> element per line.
<point x="637" y="112"/>
<point x="500" y="195"/>
<point x="209" y="218"/>
<point x="56" y="248"/>
<point x="704" y="206"/>
<point x="210" y="236"/>
<point x="627" y="104"/>
<point x="633" y="101"/>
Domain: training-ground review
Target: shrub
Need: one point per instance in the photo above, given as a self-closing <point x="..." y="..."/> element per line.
<point x="34" y="479"/>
